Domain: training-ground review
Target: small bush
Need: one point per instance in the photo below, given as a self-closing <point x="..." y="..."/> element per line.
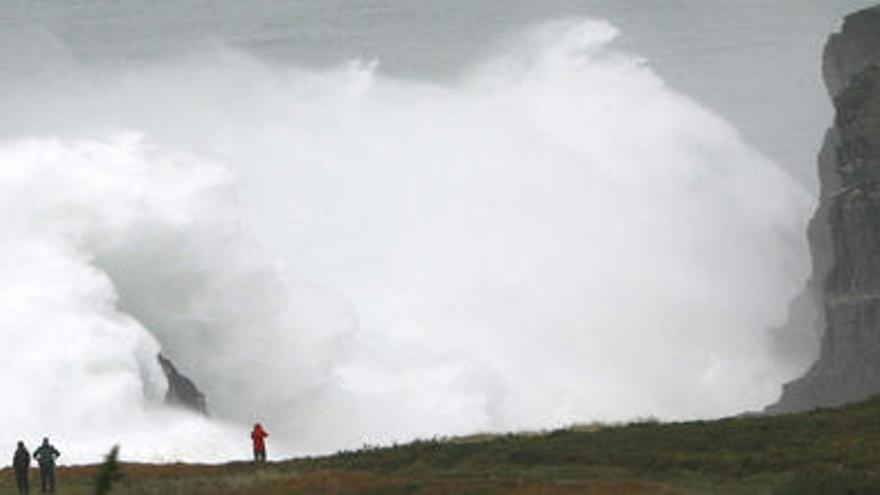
<point x="108" y="473"/>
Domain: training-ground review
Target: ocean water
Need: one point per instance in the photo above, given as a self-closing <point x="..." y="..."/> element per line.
<point x="366" y="222"/>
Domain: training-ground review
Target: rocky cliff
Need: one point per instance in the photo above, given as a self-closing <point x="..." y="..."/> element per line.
<point x="181" y="390"/>
<point x="844" y="233"/>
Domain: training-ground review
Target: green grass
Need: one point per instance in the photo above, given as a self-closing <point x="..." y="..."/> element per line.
<point x="731" y="447"/>
<point x="823" y="452"/>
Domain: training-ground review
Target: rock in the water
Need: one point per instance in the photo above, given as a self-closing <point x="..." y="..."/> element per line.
<point x="845" y="231"/>
<point x="181" y="390"/>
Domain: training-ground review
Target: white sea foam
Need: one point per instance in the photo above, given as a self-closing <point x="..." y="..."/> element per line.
<point x="349" y="258"/>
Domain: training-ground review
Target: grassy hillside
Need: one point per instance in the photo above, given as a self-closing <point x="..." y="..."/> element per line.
<point x="826" y="451"/>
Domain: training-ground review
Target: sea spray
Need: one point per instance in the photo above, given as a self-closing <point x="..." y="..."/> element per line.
<point x="556" y="236"/>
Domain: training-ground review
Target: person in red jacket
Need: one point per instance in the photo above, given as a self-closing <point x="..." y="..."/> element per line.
<point x="259" y="437"/>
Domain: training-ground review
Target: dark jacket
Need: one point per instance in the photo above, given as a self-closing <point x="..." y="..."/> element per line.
<point x="22" y="459"/>
<point x="46" y="455"/>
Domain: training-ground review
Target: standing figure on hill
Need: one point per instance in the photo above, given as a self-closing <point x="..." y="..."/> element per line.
<point x="21" y="464"/>
<point x="259" y="437"/>
<point x="45" y="456"/>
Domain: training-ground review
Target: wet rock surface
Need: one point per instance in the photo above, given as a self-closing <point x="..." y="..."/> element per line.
<point x="844" y="233"/>
<point x="182" y="391"/>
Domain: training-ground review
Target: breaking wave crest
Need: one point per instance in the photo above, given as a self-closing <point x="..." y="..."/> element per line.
<point x="555" y="237"/>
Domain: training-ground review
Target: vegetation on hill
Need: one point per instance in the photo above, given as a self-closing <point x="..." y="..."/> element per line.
<point x="831" y="451"/>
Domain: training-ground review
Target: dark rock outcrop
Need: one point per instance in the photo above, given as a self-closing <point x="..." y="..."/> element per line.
<point x="850" y="51"/>
<point x="844" y="233"/>
<point x="181" y="390"/>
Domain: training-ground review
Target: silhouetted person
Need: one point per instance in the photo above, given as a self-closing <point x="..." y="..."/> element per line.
<point x="21" y="464"/>
<point x="45" y="456"/>
<point x="259" y="437"/>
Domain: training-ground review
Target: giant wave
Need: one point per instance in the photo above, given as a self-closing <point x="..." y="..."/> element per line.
<point x="556" y="236"/>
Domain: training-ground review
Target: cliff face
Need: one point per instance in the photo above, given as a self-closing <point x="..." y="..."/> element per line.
<point x="844" y="233"/>
<point x="182" y="391"/>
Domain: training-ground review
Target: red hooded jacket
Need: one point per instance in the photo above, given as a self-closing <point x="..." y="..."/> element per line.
<point x="258" y="436"/>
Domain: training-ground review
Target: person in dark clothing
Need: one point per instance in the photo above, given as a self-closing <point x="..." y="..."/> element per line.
<point x="45" y="456"/>
<point x="259" y="437"/>
<point x="21" y="464"/>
